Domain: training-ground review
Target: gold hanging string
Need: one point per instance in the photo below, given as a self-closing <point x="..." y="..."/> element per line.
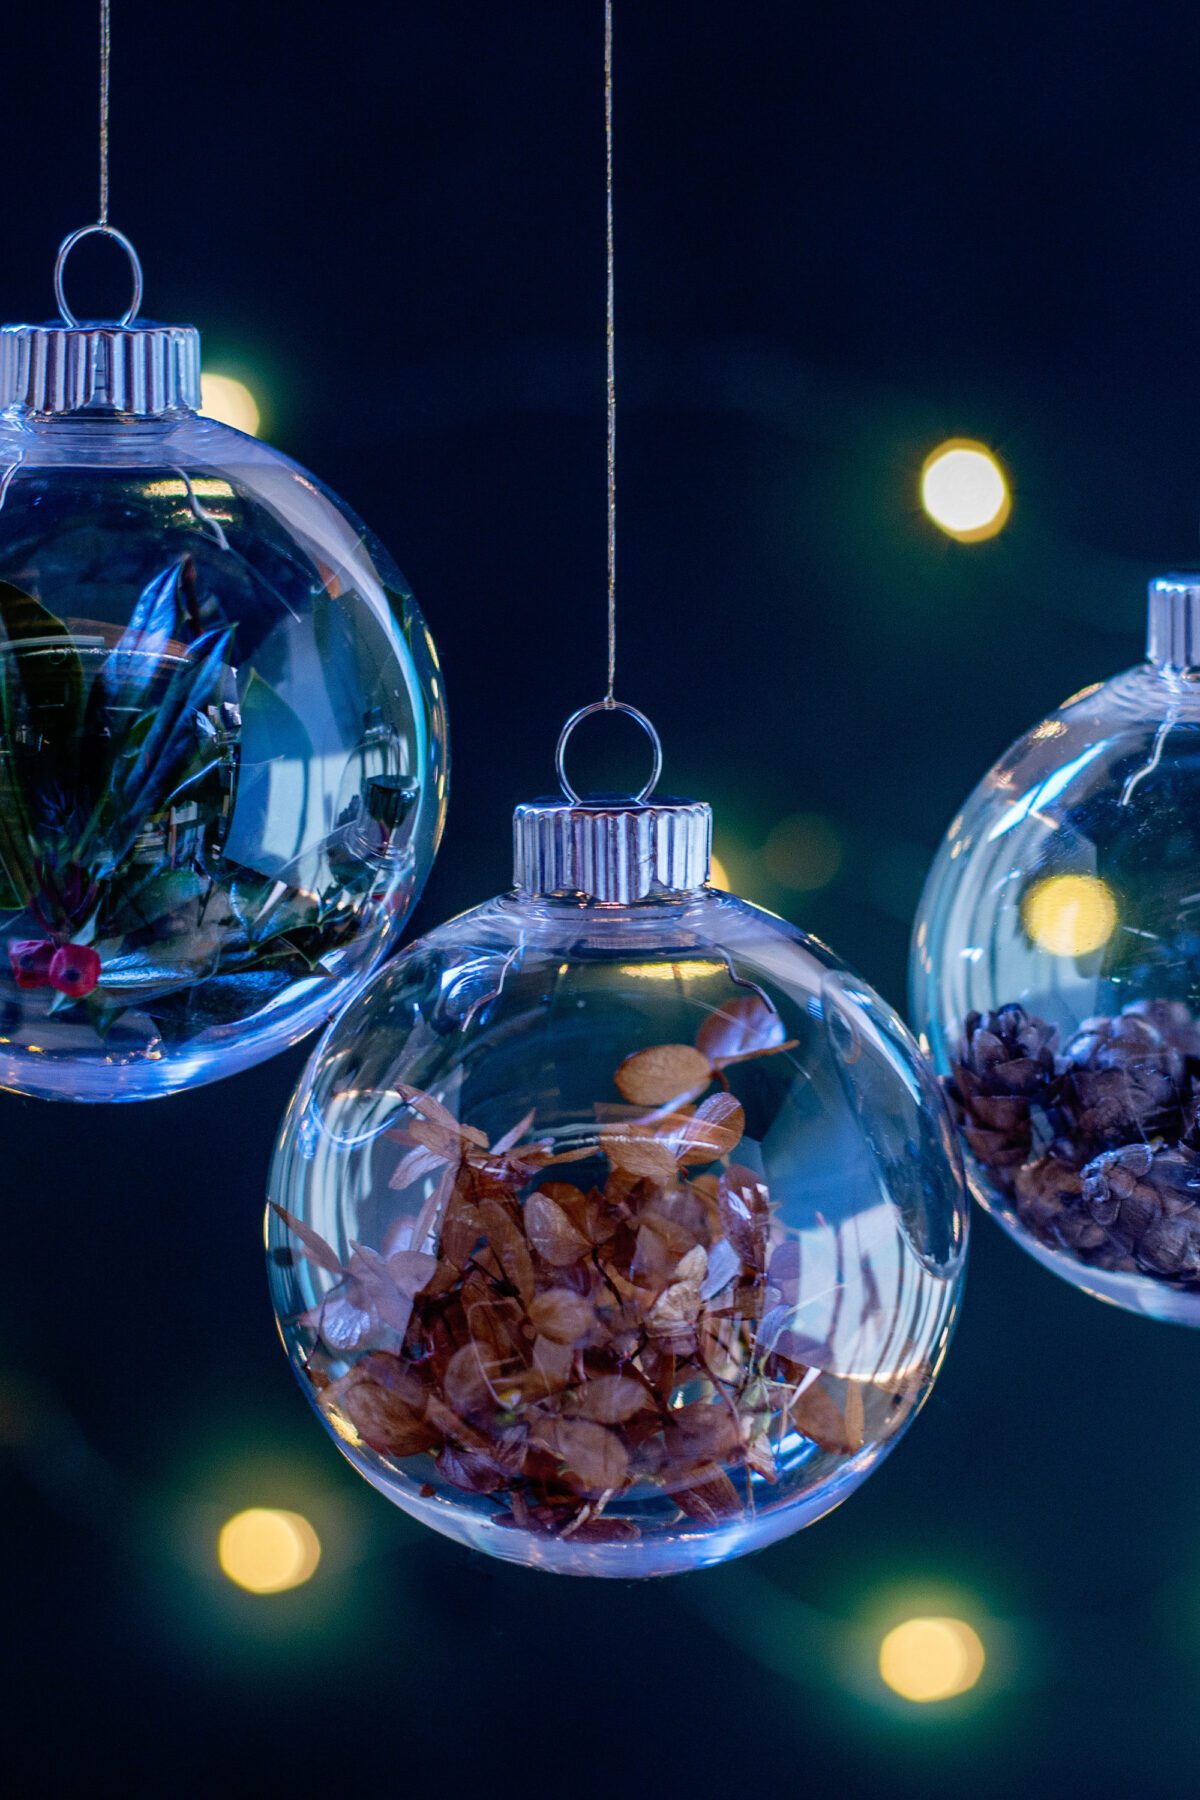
<point x="610" y="703"/>
<point x="101" y="226"/>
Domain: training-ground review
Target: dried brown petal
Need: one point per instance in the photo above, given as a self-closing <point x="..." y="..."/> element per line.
<point x="461" y="1228"/>
<point x="760" y="1457"/>
<point x="395" y="1373"/>
<point x="594" y="1458"/>
<point x="466" y="1385"/>
<point x="469" y="1470"/>
<point x="554" y="1364"/>
<point x="434" y="1113"/>
<point x="745" y="1213"/>
<point x="313" y="1245"/>
<point x="451" y="1428"/>
<point x="640" y="1151"/>
<point x="674" y="1314"/>
<point x="610" y="1399"/>
<point x="496" y="1331"/>
<point x="818" y="1415"/>
<point x="508" y="1242"/>
<point x="678" y="1227"/>
<point x="388" y="1304"/>
<point x="551" y="1233"/>
<point x="693" y="1267"/>
<point x="411" y="1269"/>
<point x="662" y="1074"/>
<point x="343" y="1325"/>
<point x="562" y="1316"/>
<point x="382" y="1418"/>
<point x="704" y="1432"/>
<point x="715" y="1129"/>
<point x="419" y="1162"/>
<point x="745" y="1027"/>
<point x="512" y="1137"/>
<point x="854" y="1415"/>
<point x="654" y="1258"/>
<point x="710" y="1500"/>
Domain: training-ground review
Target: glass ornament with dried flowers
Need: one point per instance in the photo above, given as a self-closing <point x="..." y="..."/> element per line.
<point x="1056" y="977"/>
<point x="222" y="733"/>
<point x="616" y="1228"/>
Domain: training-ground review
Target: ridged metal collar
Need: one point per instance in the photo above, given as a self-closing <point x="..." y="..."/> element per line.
<point x="611" y="849"/>
<point x="1173" y="621"/>
<point x="139" y="368"/>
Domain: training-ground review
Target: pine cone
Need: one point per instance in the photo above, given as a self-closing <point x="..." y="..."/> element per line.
<point x="1051" y="1204"/>
<point x="1147" y="1199"/>
<point x="1048" y="1194"/>
<point x="1121" y="1082"/>
<point x="1174" y="1022"/>
<point x="1005" y="1064"/>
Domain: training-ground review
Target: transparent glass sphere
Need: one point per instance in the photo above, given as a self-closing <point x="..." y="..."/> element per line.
<point x="1056" y="983"/>
<point x="616" y="1239"/>
<point x="222" y="753"/>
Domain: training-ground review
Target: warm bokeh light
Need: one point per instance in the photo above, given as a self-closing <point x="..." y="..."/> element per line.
<point x="803" y="852"/>
<point x="931" y="1659"/>
<point x="719" y="876"/>
<point x="226" y="398"/>
<point x="1070" y="915"/>
<point x="964" y="491"/>
<point x="267" y="1551"/>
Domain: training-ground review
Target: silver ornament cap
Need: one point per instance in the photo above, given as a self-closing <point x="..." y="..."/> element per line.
<point x="611" y="848"/>
<point x="128" y="365"/>
<point x="615" y="850"/>
<point x="1173" y="621"/>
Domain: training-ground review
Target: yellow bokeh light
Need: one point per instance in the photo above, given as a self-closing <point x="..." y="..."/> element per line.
<point x="226" y="398"/>
<point x="268" y="1551"/>
<point x="719" y="875"/>
<point x="931" y="1659"/>
<point x="803" y="852"/>
<point x="1070" y="915"/>
<point x="964" y="490"/>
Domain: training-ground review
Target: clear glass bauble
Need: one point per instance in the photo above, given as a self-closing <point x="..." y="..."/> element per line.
<point x="1056" y="985"/>
<point x="222" y="753"/>
<point x="616" y="1239"/>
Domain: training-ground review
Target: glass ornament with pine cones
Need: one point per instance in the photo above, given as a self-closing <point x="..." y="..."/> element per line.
<point x="1056" y="977"/>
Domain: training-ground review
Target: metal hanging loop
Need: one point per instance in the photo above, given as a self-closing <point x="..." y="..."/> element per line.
<point x="585" y="712"/>
<point x="64" y="251"/>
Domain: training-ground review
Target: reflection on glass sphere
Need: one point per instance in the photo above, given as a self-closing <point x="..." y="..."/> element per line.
<point x="616" y="1240"/>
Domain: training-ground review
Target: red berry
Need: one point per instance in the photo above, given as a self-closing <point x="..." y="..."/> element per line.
<point x="31" y="959"/>
<point x="74" y="970"/>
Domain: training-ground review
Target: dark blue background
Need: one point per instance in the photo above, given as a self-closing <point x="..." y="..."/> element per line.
<point x="843" y="234"/>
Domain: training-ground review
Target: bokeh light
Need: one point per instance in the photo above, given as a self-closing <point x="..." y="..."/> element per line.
<point x="964" y="491"/>
<point x="1070" y="915"/>
<point x="924" y="1660"/>
<point x="720" y="874"/>
<point x="268" y="1551"/>
<point x="226" y="398"/>
<point x="803" y="852"/>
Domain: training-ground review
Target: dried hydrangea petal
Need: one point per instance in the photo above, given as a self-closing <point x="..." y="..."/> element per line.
<point x="663" y="1074"/>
